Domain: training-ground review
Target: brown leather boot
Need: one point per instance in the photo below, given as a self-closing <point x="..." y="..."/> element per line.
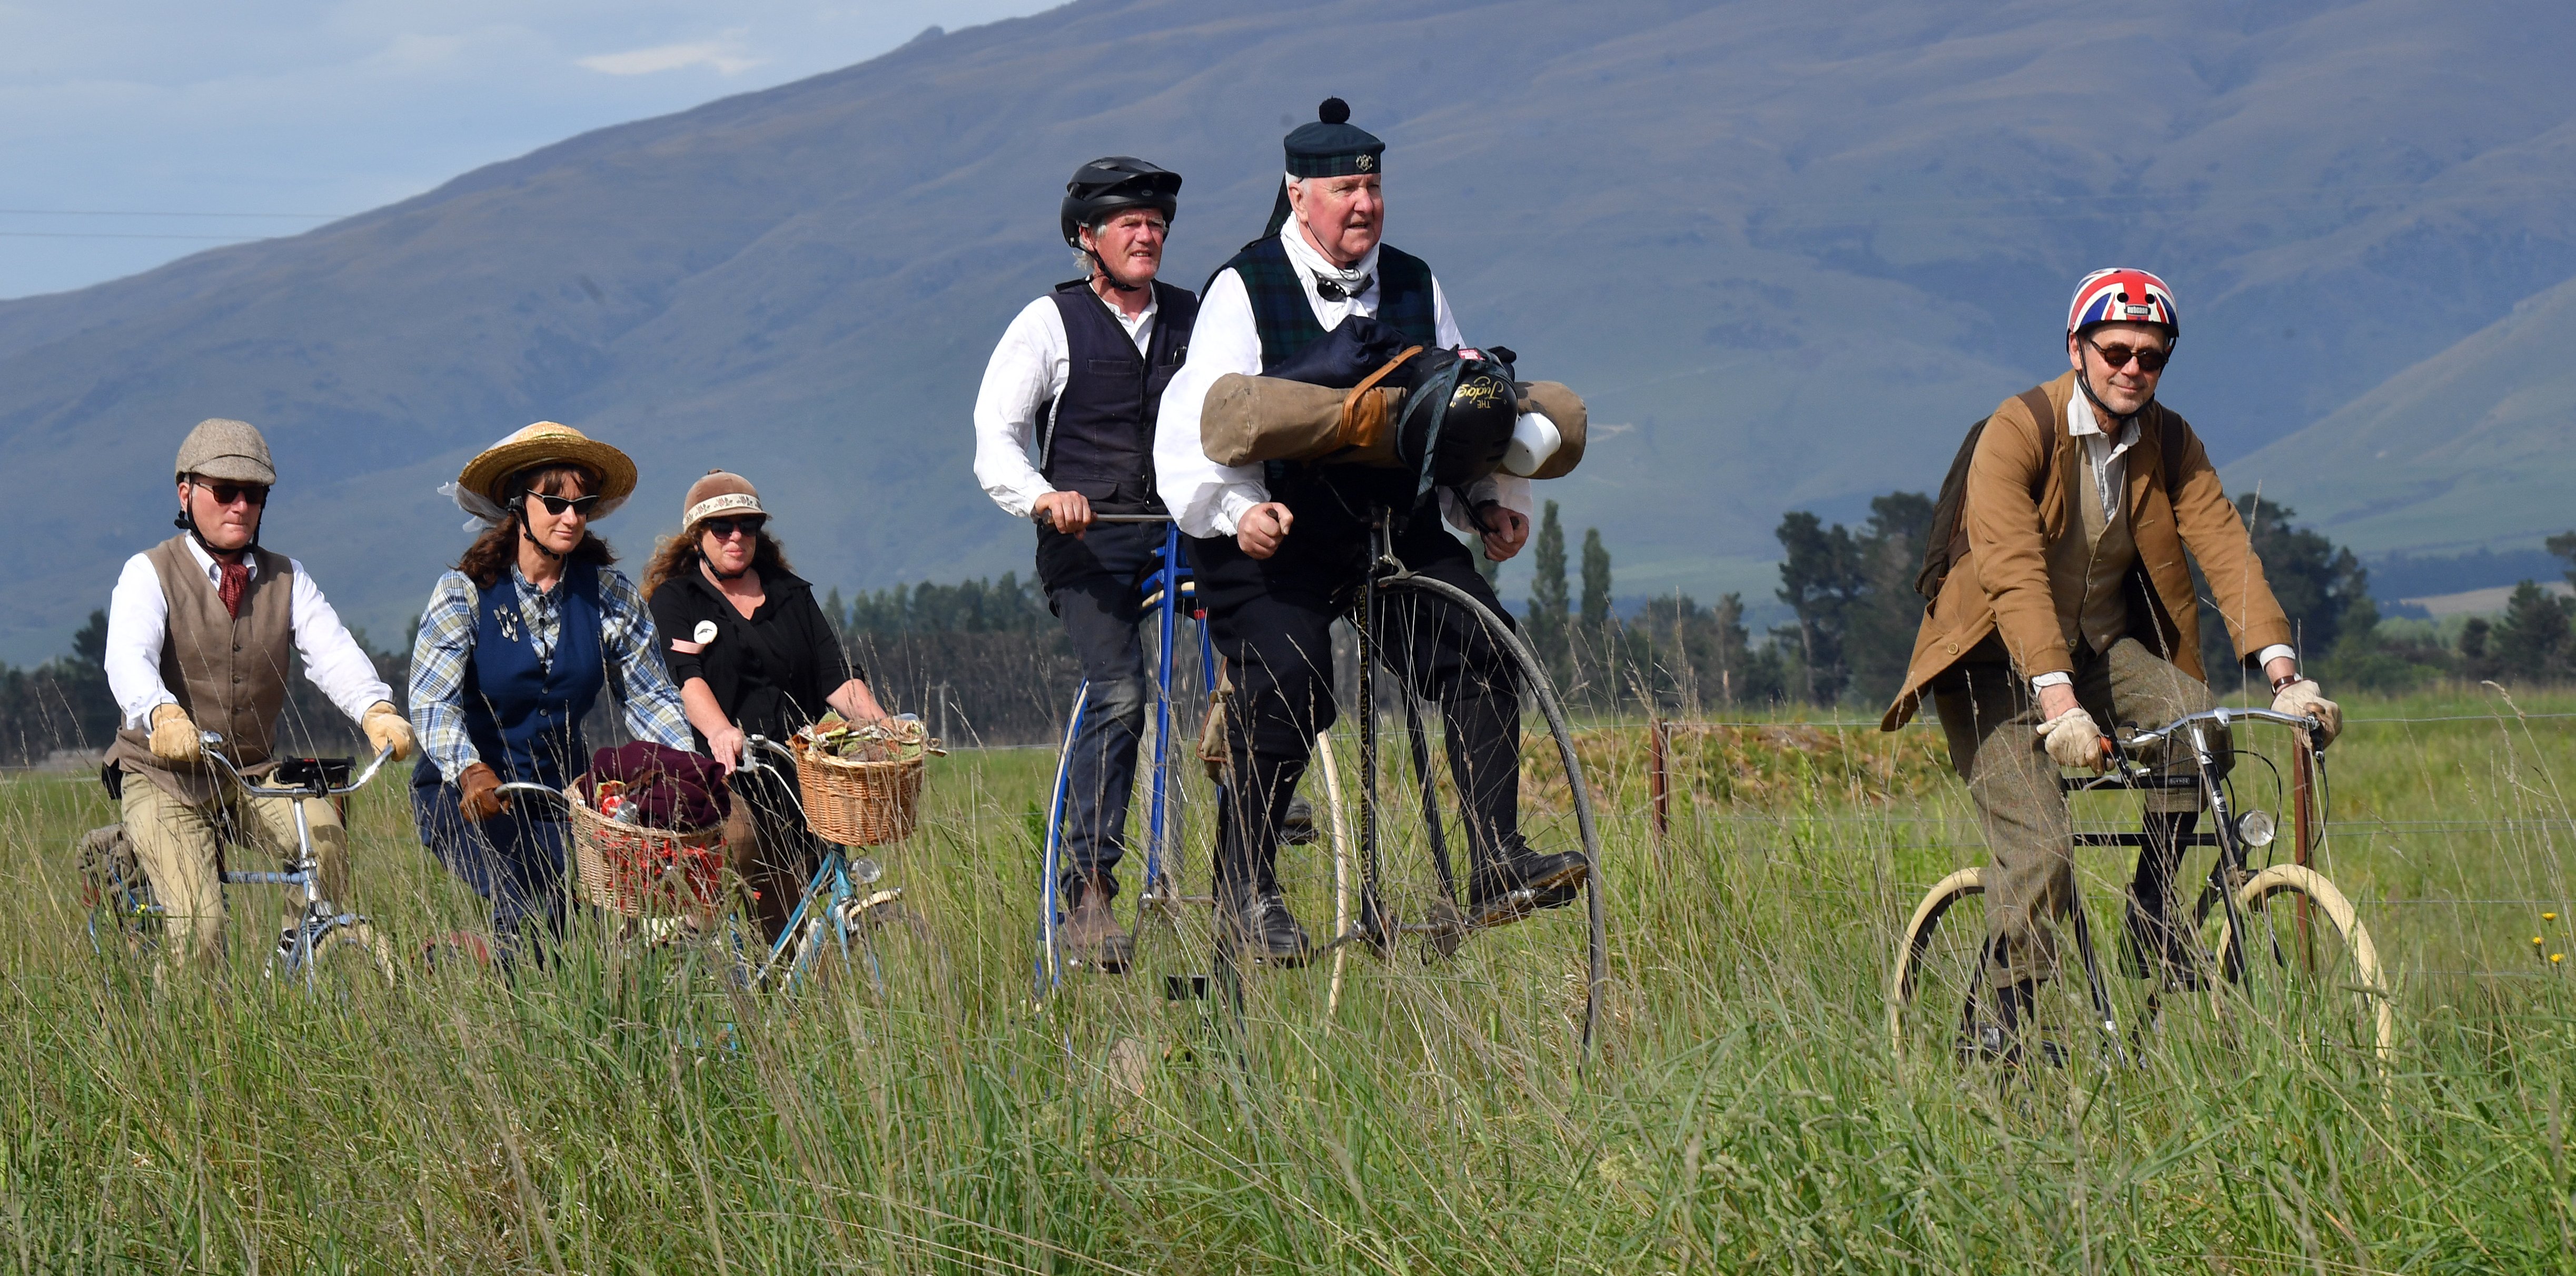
<point x="1089" y="935"/>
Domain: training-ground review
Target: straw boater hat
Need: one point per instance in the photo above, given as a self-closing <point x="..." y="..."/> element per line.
<point x="720" y="492"/>
<point x="541" y="443"/>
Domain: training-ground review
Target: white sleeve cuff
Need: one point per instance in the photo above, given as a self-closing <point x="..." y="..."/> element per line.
<point x="2277" y="651"/>
<point x="1231" y="506"/>
<point x="2059" y="679"/>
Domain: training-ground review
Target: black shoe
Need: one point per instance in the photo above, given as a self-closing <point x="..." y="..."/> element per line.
<point x="1524" y="884"/>
<point x="2002" y="1038"/>
<point x="1261" y="926"/>
<point x="1298" y="827"/>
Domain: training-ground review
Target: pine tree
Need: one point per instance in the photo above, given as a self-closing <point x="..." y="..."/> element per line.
<point x="1548" y="613"/>
<point x="1598" y="650"/>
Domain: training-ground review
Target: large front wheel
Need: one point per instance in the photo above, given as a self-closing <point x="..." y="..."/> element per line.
<point x="2307" y="965"/>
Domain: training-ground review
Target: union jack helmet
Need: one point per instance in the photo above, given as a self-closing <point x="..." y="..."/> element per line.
<point x="2122" y="295"/>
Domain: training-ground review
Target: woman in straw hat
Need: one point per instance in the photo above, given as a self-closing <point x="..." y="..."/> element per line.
<point x="752" y="653"/>
<point x="515" y="647"/>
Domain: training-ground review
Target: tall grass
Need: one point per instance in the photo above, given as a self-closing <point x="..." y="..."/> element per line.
<point x="620" y="1111"/>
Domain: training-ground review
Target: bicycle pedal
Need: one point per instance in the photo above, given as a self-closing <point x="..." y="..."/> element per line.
<point x="1185" y="987"/>
<point x="1445" y="931"/>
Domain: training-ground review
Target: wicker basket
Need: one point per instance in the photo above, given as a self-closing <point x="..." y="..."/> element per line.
<point x="857" y="803"/>
<point x="641" y="872"/>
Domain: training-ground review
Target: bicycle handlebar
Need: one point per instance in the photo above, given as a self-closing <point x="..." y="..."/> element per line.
<point x="1046" y="518"/>
<point x="2221" y="715"/>
<point x="211" y="746"/>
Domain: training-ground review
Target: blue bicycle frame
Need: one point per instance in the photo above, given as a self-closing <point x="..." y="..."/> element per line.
<point x="1163" y="589"/>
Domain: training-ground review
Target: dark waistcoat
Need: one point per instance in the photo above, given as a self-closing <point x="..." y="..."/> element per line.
<point x="524" y="715"/>
<point x="1100" y="435"/>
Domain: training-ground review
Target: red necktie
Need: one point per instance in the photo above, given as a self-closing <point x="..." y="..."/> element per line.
<point x="235" y="583"/>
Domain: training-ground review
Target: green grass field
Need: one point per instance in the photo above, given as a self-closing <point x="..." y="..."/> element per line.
<point x="620" y="1111"/>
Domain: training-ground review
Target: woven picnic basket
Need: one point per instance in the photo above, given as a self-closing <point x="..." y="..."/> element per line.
<point x="857" y="803"/>
<point x="645" y="872"/>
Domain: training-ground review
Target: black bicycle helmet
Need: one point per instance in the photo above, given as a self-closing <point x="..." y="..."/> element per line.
<point x="1113" y="182"/>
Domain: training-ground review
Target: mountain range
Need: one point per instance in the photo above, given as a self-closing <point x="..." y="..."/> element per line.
<point x="1787" y="250"/>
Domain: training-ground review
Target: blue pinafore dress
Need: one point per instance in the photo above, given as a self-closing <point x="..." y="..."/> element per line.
<point x="523" y="716"/>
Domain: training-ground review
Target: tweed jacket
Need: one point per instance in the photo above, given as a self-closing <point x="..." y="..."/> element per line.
<point x="2018" y="485"/>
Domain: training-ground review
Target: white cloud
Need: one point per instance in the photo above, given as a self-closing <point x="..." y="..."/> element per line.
<point x="725" y="54"/>
<point x="178" y="117"/>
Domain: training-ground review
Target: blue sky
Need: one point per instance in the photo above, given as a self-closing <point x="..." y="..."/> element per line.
<point x="133" y="132"/>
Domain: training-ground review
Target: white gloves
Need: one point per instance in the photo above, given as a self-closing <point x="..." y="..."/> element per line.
<point x="2302" y="699"/>
<point x="2073" y="739"/>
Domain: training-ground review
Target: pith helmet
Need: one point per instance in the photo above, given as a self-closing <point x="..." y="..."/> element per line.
<point x="222" y="448"/>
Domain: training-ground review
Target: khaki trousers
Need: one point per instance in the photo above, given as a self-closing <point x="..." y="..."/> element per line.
<point x="180" y="847"/>
<point x="1992" y="718"/>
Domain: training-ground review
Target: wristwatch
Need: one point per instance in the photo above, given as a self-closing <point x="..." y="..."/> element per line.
<point x="2286" y="679"/>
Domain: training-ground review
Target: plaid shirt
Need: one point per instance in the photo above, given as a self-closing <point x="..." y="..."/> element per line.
<point x="446" y="645"/>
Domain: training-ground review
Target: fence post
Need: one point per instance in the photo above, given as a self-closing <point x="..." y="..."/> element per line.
<point x="1658" y="776"/>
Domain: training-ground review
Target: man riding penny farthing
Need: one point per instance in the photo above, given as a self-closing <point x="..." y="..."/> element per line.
<point x="1328" y="419"/>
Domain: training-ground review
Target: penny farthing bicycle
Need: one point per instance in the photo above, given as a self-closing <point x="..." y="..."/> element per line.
<point x="1169" y="598"/>
<point x="1409" y="884"/>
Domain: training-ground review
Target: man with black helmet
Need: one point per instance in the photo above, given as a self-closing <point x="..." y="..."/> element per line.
<point x="199" y="635"/>
<point x="1281" y="549"/>
<point x="1078" y="374"/>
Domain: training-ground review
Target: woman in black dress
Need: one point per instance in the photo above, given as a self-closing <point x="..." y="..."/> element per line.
<point x="752" y="655"/>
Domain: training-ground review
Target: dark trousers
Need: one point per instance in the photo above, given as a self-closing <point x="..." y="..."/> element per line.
<point x="1272" y="621"/>
<point x="1991" y="718"/>
<point x="767" y="843"/>
<point x="1092" y="586"/>
<point x="515" y="859"/>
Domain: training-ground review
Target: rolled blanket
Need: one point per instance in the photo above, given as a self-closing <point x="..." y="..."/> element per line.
<point x="1247" y="420"/>
<point x="665" y="788"/>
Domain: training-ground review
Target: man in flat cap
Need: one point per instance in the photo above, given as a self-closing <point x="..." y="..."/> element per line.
<point x="199" y="633"/>
<point x="1281" y="549"/>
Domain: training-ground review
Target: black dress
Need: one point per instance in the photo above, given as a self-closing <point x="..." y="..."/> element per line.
<point x="771" y="674"/>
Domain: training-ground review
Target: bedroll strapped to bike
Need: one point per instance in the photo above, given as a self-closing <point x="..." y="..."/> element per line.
<point x="1364" y="395"/>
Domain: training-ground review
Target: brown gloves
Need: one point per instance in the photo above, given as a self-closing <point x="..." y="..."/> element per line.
<point x="386" y="729"/>
<point x="174" y="737"/>
<point x="479" y="793"/>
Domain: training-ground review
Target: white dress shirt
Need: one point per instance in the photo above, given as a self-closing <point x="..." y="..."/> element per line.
<point x="2108" y="462"/>
<point x="1028" y="372"/>
<point x="1210" y="499"/>
<point x="138" y="620"/>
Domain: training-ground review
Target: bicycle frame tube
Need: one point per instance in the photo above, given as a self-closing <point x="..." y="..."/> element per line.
<point x="2231" y="852"/>
<point x="1050" y="967"/>
<point x="1167" y="620"/>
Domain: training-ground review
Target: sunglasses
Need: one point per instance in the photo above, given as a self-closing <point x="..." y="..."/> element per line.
<point x="557" y="505"/>
<point x="724" y="528"/>
<point x="227" y="493"/>
<point x="2149" y="358"/>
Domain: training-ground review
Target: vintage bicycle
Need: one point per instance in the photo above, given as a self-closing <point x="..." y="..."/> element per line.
<point x="2280" y="934"/>
<point x="125" y="915"/>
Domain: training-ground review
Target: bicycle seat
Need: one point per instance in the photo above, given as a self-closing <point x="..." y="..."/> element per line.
<point x="308" y="773"/>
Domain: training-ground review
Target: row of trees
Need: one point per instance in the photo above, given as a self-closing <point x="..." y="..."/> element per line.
<point x="985" y="661"/>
